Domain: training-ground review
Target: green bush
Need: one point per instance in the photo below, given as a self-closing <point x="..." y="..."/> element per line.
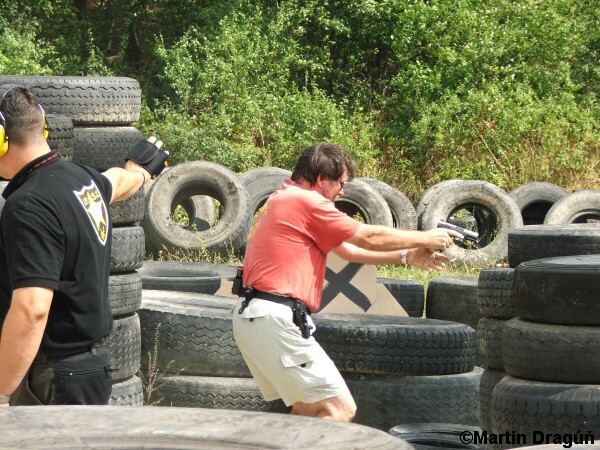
<point x="418" y="90"/>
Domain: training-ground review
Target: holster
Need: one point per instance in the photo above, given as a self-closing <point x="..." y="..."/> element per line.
<point x="300" y="318"/>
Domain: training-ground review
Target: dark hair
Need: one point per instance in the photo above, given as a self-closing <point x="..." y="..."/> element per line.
<point x="323" y="159"/>
<point x="23" y="116"/>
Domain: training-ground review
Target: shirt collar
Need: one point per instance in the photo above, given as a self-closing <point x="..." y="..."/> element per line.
<point x="24" y="173"/>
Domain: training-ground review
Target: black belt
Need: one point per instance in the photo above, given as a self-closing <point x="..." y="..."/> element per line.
<point x="49" y="353"/>
<point x="299" y="308"/>
<point x="276" y="298"/>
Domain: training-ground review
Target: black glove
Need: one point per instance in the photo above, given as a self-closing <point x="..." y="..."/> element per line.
<point x="149" y="156"/>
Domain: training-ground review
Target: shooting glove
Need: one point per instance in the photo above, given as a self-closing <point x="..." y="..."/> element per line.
<point x="149" y="156"/>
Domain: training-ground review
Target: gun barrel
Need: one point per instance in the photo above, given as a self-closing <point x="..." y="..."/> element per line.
<point x="468" y="234"/>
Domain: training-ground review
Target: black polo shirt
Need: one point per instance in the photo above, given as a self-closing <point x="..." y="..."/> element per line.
<point x="55" y="232"/>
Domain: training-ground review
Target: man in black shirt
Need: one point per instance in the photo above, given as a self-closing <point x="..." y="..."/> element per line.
<point x="55" y="241"/>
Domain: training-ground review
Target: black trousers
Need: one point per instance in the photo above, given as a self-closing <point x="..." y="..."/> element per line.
<point x="77" y="379"/>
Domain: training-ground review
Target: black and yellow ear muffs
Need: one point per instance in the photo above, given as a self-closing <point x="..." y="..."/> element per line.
<point x="45" y="122"/>
<point x="3" y="136"/>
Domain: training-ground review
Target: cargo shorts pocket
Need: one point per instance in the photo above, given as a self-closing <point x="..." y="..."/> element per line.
<point x="301" y="359"/>
<point x="304" y="368"/>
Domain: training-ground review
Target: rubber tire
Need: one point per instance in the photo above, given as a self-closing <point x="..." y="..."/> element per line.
<point x="86" y="100"/>
<point x="124" y="344"/>
<point x="198" y="178"/>
<point x="579" y="207"/>
<point x="186" y="269"/>
<point x="127" y="253"/>
<point x="495" y="293"/>
<point x="494" y="199"/>
<point x="128" y="212"/>
<point x="535" y="200"/>
<point x="362" y="199"/>
<point x="189" y="337"/>
<point x="127" y="392"/>
<point x="559" y="290"/>
<point x="201" y="213"/>
<point x="214" y="393"/>
<point x="453" y="298"/>
<point x="124" y="293"/>
<point x="104" y="147"/>
<point x="69" y="427"/>
<point x="185" y="299"/>
<point x="385" y="401"/>
<point x="261" y="182"/>
<point x="546" y="241"/>
<point x="60" y="135"/>
<point x="201" y="285"/>
<point x="428" y="195"/>
<point x="489" y="343"/>
<point x="552" y="353"/>
<point x="408" y="293"/>
<point x="489" y="379"/>
<point x="524" y="406"/>
<point x="378" y="344"/>
<point x="436" y="435"/>
<point x="404" y="216"/>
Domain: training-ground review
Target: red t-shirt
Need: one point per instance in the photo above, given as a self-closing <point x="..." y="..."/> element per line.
<point x="287" y="247"/>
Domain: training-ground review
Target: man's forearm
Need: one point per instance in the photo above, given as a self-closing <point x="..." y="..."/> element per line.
<point x="126" y="182"/>
<point x="384" y="239"/>
<point x="352" y="253"/>
<point x="21" y="338"/>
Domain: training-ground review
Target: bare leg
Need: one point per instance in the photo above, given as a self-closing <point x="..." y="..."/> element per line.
<point x="341" y="408"/>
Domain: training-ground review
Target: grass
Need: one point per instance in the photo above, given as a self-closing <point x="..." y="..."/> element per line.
<point x="415" y="274"/>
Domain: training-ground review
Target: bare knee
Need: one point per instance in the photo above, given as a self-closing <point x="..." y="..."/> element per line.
<point x="347" y="410"/>
<point x="341" y="408"/>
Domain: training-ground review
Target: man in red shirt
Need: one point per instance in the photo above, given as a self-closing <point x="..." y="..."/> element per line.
<point x="284" y="271"/>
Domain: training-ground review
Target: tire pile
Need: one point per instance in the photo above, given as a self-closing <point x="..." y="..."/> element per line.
<point x="399" y="369"/>
<point x="89" y="122"/>
<point x="476" y="205"/>
<point x="539" y="339"/>
<point x="188" y="347"/>
<point x="404" y="369"/>
<point x="187" y="185"/>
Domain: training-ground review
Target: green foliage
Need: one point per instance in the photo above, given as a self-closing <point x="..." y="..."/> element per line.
<point x="417" y="90"/>
<point x="236" y="101"/>
<point x="20" y="54"/>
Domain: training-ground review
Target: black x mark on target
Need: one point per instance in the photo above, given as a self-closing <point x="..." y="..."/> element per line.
<point x="339" y="283"/>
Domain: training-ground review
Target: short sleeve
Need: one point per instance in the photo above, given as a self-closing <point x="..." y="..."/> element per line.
<point x="34" y="248"/>
<point x="102" y="182"/>
<point x="329" y="227"/>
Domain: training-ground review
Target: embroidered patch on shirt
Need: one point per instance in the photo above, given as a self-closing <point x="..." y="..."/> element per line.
<point x="93" y="204"/>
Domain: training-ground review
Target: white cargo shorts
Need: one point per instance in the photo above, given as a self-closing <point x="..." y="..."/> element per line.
<point x="283" y="363"/>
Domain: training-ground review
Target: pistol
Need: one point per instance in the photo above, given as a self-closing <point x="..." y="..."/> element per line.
<point x="468" y="234"/>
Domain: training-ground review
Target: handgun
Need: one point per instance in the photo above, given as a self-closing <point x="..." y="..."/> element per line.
<point x="468" y="234"/>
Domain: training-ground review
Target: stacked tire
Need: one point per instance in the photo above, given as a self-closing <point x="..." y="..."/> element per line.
<point x="535" y="199"/>
<point x="475" y="205"/>
<point x="453" y="298"/>
<point x="399" y="369"/>
<point x="94" y="115"/>
<point x="189" y="355"/>
<point x="404" y="369"/>
<point x="196" y="186"/>
<point x="496" y="303"/>
<point x="550" y="350"/>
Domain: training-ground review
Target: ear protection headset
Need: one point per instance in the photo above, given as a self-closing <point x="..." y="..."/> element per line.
<point x="3" y="136"/>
